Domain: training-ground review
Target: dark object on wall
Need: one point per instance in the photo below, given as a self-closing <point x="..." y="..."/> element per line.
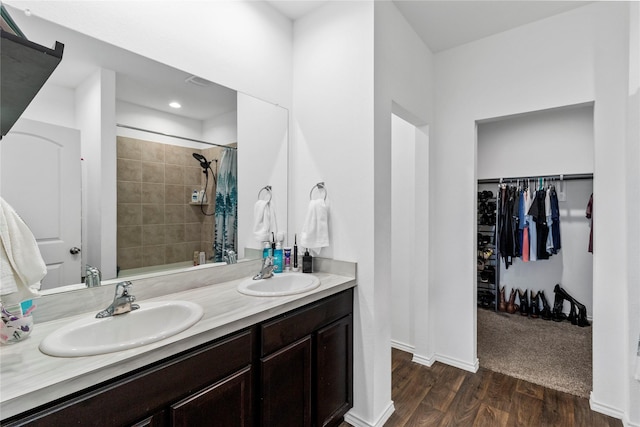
<point x="24" y="68"/>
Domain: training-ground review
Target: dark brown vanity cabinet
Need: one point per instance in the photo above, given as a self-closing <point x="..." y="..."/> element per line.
<point x="294" y="370"/>
<point x="306" y="364"/>
<point x="209" y="383"/>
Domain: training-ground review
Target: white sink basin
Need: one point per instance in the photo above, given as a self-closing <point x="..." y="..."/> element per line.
<point x="153" y="321"/>
<point x="279" y="285"/>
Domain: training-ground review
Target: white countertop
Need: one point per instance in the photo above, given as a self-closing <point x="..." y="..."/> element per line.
<point x="29" y="378"/>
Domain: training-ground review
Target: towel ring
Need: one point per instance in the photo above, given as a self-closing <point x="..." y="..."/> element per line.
<point x="268" y="189"/>
<point x="319" y="186"/>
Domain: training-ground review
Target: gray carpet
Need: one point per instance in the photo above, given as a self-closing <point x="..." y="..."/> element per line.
<point x="556" y="355"/>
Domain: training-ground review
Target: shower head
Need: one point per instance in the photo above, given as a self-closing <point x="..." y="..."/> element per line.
<point x="203" y="161"/>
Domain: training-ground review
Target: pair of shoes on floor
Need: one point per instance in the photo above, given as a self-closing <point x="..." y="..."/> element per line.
<point x="576" y="318"/>
<point x="507" y="306"/>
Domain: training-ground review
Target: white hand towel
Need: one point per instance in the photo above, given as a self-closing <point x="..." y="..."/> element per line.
<point x="315" y="231"/>
<point x="21" y="265"/>
<point x="264" y="221"/>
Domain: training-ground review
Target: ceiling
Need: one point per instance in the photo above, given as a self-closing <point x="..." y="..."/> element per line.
<point x="446" y="24"/>
<point x="441" y="24"/>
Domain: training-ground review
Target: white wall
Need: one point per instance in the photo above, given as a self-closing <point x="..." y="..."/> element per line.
<point x="53" y="104"/>
<point x="549" y="142"/>
<point x="334" y="112"/>
<point x="404" y="85"/>
<point x="244" y="45"/>
<point x="159" y="121"/>
<point x="222" y="129"/>
<point x="95" y="115"/>
<point x="262" y="140"/>
<point x="572" y="58"/>
<point x="333" y="133"/>
<point x="633" y="226"/>
<point x="403" y="222"/>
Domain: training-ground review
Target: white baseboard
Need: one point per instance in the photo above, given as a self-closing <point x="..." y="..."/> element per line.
<point x="357" y="421"/>
<point x="461" y="364"/>
<point x="605" y="409"/>
<point x="627" y="423"/>
<point x="427" y="361"/>
<point x="402" y="346"/>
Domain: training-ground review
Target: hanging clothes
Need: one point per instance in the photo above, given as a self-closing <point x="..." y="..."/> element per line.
<point x="555" y="217"/>
<point x="538" y="211"/>
<point x="533" y="228"/>
<point x="524" y="224"/>
<point x="508" y="224"/>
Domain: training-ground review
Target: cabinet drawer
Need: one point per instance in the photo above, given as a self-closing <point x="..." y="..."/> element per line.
<point x="126" y="401"/>
<point x="292" y="326"/>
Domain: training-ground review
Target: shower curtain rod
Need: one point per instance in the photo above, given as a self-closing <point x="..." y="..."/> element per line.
<point x="567" y="177"/>
<point x="174" y="136"/>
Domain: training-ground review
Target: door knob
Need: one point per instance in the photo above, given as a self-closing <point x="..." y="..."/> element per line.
<point x="74" y="250"/>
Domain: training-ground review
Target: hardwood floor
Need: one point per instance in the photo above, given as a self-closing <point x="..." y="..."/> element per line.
<point x="446" y="396"/>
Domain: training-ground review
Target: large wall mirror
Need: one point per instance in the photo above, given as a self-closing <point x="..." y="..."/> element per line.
<point x="106" y="173"/>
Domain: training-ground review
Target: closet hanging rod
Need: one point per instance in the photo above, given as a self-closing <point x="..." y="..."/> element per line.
<point x="174" y="136"/>
<point x="566" y="177"/>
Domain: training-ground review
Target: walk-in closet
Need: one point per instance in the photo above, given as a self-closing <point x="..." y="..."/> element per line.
<point x="534" y="246"/>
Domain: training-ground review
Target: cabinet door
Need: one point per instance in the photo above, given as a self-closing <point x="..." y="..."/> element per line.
<point x="286" y="386"/>
<point x="334" y="385"/>
<point x="226" y="403"/>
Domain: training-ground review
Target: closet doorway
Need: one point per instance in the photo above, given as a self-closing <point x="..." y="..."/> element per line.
<point x="521" y="159"/>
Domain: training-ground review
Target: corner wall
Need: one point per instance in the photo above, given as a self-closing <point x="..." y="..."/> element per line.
<point x="333" y="121"/>
<point x="550" y="63"/>
<point x="404" y="86"/>
<point x="633" y="227"/>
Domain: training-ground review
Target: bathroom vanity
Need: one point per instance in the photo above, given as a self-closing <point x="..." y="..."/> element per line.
<point x="250" y="361"/>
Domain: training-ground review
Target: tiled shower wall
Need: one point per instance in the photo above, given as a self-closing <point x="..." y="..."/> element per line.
<point x="157" y="224"/>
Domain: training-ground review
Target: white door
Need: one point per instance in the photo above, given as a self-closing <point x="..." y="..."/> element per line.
<point x="40" y="177"/>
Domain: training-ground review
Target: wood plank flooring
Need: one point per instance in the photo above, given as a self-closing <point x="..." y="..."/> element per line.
<point x="446" y="396"/>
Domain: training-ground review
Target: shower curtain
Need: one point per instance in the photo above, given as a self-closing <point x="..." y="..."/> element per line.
<point x="226" y="213"/>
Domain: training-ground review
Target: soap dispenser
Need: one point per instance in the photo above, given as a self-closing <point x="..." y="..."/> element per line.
<point x="307" y="262"/>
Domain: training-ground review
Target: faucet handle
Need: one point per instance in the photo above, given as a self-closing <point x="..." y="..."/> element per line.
<point x="125" y="288"/>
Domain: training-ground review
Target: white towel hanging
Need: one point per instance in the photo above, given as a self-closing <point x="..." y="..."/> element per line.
<point x="21" y="265"/>
<point x="315" y="231"/>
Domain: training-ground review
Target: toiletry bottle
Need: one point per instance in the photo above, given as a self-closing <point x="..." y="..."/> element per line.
<point x="266" y="249"/>
<point x="307" y="262"/>
<point x="295" y="252"/>
<point x="278" y="258"/>
<point x="196" y="257"/>
<point x="287" y="259"/>
<point x="194" y="196"/>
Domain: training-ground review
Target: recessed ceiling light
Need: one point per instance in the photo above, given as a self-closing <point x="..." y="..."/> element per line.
<point x="175" y="104"/>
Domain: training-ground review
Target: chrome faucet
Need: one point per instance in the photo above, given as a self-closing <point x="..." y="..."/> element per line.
<point x="267" y="269"/>
<point x="230" y="257"/>
<point x="122" y="302"/>
<point x="92" y="276"/>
